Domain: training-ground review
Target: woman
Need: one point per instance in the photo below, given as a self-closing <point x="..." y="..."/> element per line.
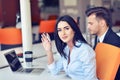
<point x="77" y="57"/>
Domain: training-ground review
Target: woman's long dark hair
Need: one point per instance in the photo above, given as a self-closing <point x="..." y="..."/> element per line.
<point x="60" y="45"/>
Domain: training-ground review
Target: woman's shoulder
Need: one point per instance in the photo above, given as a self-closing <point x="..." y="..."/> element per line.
<point x="85" y="50"/>
<point x="83" y="45"/>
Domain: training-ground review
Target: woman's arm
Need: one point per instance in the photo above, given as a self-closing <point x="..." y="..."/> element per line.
<point x="46" y="42"/>
<point x="53" y="66"/>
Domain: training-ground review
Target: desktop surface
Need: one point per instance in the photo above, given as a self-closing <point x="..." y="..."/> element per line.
<point x="6" y="73"/>
<point x="40" y="61"/>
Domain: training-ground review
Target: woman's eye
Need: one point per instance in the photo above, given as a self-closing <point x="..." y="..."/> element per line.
<point x="67" y="28"/>
<point x="58" y="30"/>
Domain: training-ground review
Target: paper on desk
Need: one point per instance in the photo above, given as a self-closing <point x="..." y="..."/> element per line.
<point x="3" y="62"/>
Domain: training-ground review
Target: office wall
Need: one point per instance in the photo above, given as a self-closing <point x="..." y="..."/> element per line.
<point x="8" y="12"/>
<point x="75" y="8"/>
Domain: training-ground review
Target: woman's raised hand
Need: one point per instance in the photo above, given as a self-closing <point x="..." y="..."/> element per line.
<point x="46" y="42"/>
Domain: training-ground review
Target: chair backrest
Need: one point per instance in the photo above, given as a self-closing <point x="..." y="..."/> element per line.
<point x="107" y="60"/>
<point x="52" y="17"/>
<point x="10" y="36"/>
<point x="47" y="26"/>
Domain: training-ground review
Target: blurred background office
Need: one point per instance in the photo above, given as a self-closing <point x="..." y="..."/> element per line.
<point x="44" y="10"/>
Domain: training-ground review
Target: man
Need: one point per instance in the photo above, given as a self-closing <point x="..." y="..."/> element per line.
<point x="99" y="24"/>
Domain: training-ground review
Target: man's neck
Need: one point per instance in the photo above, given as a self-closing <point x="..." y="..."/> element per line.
<point x="101" y="38"/>
<point x="103" y="31"/>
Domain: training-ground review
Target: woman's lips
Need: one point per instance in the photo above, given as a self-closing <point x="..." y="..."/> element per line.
<point x="64" y="37"/>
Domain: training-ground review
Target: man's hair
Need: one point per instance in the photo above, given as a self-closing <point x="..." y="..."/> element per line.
<point x="101" y="13"/>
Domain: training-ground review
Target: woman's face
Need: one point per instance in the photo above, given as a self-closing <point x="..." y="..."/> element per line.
<point x="65" y="32"/>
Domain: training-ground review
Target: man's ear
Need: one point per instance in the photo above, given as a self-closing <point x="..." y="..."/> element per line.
<point x="102" y="23"/>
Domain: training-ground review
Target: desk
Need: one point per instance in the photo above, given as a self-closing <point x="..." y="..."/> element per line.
<point x="6" y="73"/>
<point x="43" y="76"/>
<point x="38" y="51"/>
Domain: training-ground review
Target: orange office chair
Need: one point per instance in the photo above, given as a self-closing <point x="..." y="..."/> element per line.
<point x="48" y="27"/>
<point x="52" y="17"/>
<point x="10" y="36"/>
<point x="107" y="60"/>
